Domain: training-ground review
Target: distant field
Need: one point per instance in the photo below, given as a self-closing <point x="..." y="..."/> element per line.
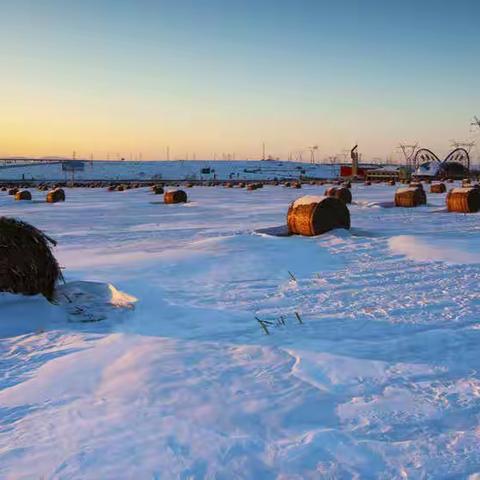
<point x="174" y="170"/>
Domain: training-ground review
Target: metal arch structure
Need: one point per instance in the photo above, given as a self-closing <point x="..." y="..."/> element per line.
<point x="455" y="164"/>
<point x="458" y="156"/>
<point x="424" y="155"/>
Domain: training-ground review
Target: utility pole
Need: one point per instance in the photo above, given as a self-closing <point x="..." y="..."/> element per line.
<point x="263" y="151"/>
<point x="409" y="154"/>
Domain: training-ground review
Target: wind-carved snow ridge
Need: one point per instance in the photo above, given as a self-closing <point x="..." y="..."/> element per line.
<point x="379" y="381"/>
<point x="92" y="301"/>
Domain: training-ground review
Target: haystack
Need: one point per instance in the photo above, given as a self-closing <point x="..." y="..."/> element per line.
<point x="157" y="190"/>
<point x="463" y="200"/>
<point x="391" y="183"/>
<point x="410" y="197"/>
<point x="296" y="185"/>
<point x="57" y="195"/>
<point x="27" y="265"/>
<point x="13" y="191"/>
<point x="438" y="188"/>
<point x="23" y="195"/>
<point x="314" y="215"/>
<point x="367" y="183"/>
<point x="341" y="193"/>
<point x="252" y="186"/>
<point x="175" y="196"/>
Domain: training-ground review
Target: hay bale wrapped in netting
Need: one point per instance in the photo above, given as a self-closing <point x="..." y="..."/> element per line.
<point x="157" y="190"/>
<point x="23" y="195"/>
<point x="342" y="193"/>
<point x="13" y="191"/>
<point x="56" y="195"/>
<point x="463" y="200"/>
<point x="175" y="196"/>
<point x="27" y="265"/>
<point x="313" y="215"/>
<point x="410" y="197"/>
<point x="438" y="188"/>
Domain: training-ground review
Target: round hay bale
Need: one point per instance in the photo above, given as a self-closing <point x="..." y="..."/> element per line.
<point x="57" y="195"/>
<point x="157" y="190"/>
<point x="111" y="188"/>
<point x="463" y="200"/>
<point x="314" y="215"/>
<point x="347" y="184"/>
<point x="342" y="193"/>
<point x="410" y="197"/>
<point x="23" y="195"/>
<point x="391" y="183"/>
<point x="438" y="188"/>
<point x="296" y="185"/>
<point x="416" y="185"/>
<point x="241" y="185"/>
<point x="287" y="184"/>
<point x="27" y="265"/>
<point x="13" y="191"/>
<point x="175" y="196"/>
<point x="367" y="183"/>
<point x="252" y="186"/>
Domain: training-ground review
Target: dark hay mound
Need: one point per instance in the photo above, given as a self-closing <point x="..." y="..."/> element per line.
<point x="463" y="200"/>
<point x="175" y="196"/>
<point x="342" y="193"/>
<point x="13" y="191"/>
<point x="157" y="190"/>
<point x="23" y="195"/>
<point x="57" y="195"/>
<point x="317" y="217"/>
<point x="27" y="265"/>
<point x="409" y="197"/>
<point x="438" y="188"/>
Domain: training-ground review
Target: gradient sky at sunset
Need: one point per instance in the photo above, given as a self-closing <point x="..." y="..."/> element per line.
<point x="223" y="76"/>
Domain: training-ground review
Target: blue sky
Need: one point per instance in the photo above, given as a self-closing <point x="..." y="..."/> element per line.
<point x="212" y="76"/>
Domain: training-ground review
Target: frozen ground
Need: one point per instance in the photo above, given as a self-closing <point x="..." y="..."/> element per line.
<point x="173" y="170"/>
<point x="380" y="381"/>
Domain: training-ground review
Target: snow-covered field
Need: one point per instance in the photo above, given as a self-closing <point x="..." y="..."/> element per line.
<point x="379" y="381"/>
<point x="174" y="170"/>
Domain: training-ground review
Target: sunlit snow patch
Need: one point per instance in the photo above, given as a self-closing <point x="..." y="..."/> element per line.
<point x="92" y="301"/>
<point x="440" y="250"/>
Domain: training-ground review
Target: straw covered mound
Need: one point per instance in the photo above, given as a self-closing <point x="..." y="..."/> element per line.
<point x="55" y="195"/>
<point x="27" y="265"/>
<point x="175" y="196"/>
<point x="313" y="215"/>
<point x="438" y="188"/>
<point x="463" y="200"/>
<point x="342" y="193"/>
<point x="410" y="197"/>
